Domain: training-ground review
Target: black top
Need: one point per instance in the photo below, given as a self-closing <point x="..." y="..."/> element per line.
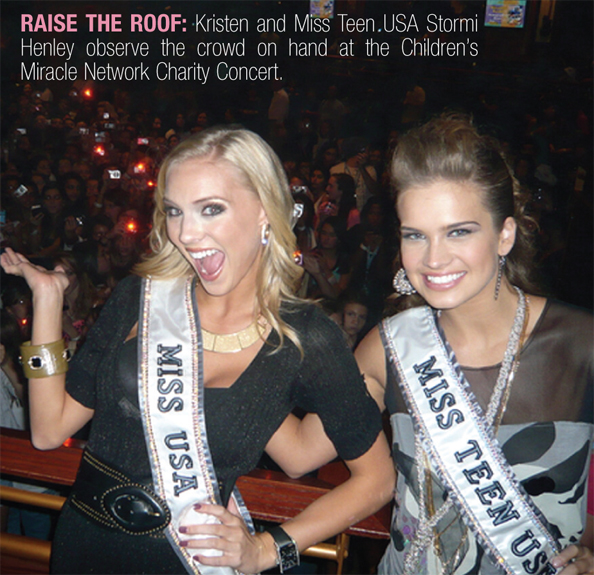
<point x="239" y="420"/>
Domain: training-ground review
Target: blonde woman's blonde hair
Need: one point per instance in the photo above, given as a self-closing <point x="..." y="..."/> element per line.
<point x="261" y="172"/>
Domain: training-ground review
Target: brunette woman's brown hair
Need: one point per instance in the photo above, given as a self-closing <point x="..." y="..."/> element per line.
<point x="450" y="147"/>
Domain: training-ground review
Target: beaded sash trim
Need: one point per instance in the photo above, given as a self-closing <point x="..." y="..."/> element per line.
<point x="171" y="396"/>
<point x="463" y="449"/>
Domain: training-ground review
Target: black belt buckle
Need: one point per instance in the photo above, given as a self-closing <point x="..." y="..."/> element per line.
<point x="136" y="509"/>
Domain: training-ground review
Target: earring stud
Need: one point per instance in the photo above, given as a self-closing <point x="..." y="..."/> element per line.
<point x="265" y="234"/>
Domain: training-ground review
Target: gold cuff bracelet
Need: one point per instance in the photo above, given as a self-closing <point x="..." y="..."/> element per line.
<point x="44" y="360"/>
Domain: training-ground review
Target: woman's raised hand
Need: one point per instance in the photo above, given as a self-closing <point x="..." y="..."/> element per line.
<point x="241" y="550"/>
<point x="38" y="278"/>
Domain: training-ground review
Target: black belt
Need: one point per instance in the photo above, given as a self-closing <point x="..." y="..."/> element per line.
<point x="110" y="498"/>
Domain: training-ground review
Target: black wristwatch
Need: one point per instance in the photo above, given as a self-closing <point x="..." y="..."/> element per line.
<point x="287" y="554"/>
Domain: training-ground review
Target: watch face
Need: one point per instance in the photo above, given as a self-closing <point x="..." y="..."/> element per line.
<point x="287" y="552"/>
<point x="289" y="557"/>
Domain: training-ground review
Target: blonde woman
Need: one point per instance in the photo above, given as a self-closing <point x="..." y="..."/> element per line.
<point x="192" y="366"/>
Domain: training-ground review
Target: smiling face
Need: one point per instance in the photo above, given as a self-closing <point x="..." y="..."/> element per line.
<point x="216" y="222"/>
<point x="450" y="247"/>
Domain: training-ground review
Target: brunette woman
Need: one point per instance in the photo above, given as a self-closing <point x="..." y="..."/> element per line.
<point x="521" y="364"/>
<point x="488" y="384"/>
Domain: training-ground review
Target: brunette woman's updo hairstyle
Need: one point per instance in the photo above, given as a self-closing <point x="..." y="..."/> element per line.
<point x="450" y="147"/>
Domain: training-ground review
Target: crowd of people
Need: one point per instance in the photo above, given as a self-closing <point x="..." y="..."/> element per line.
<point x="79" y="175"/>
<point x="78" y="182"/>
<point x="97" y="192"/>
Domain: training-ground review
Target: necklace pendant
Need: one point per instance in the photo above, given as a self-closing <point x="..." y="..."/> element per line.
<point x="232" y="342"/>
<point x="222" y="344"/>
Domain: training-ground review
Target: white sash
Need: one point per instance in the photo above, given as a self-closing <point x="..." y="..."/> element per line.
<point x="171" y="396"/>
<point x="463" y="448"/>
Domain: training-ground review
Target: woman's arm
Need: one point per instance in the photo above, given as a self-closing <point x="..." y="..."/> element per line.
<point x="371" y="359"/>
<point x="301" y="446"/>
<point x="370" y="486"/>
<point x="55" y="416"/>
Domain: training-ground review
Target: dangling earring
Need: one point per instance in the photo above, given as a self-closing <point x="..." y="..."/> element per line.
<point x="402" y="284"/>
<point x="265" y="234"/>
<point x="499" y="275"/>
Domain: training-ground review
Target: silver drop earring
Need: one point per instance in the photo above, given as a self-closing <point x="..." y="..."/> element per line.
<point x="499" y="275"/>
<point x="402" y="284"/>
<point x="265" y="234"/>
